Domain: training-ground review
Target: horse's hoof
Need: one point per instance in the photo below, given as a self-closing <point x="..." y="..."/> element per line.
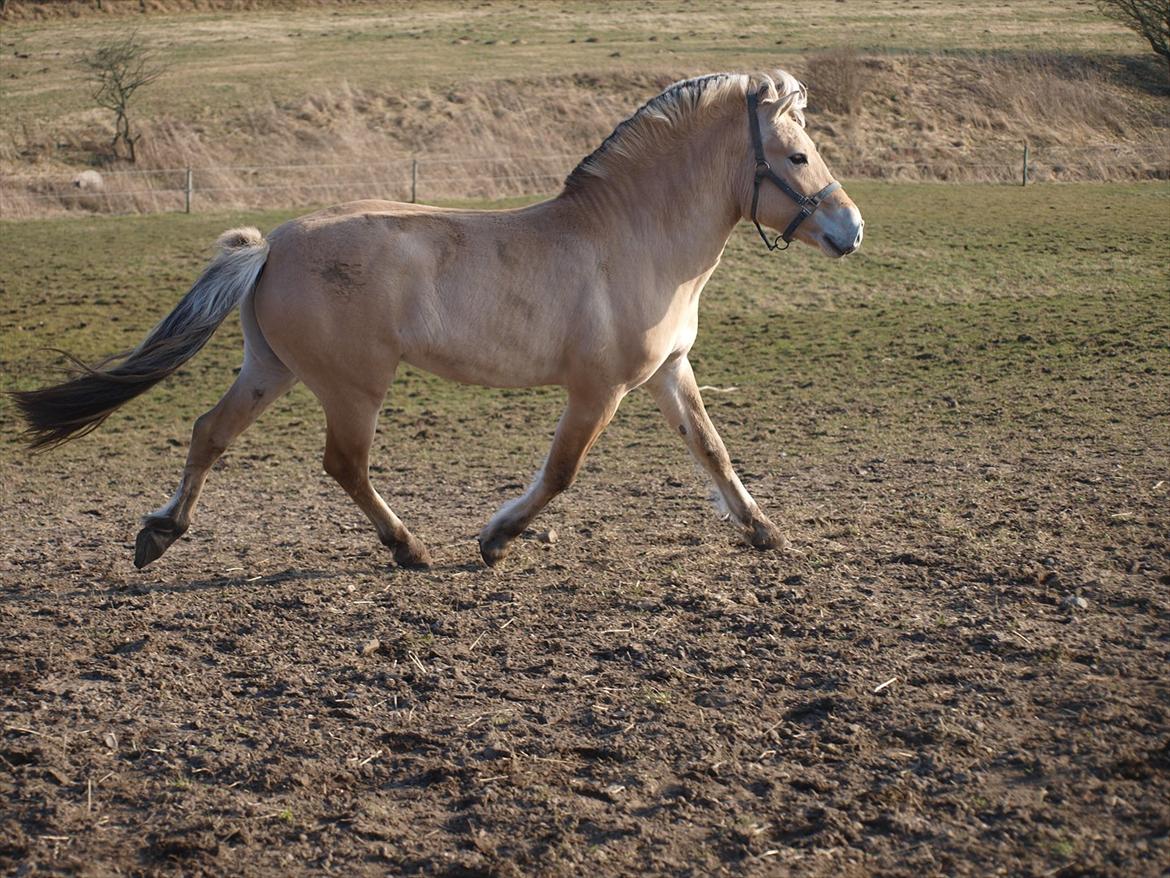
<point x="493" y="551"/>
<point x="152" y="541"/>
<point x="766" y="536"/>
<point x="412" y="554"/>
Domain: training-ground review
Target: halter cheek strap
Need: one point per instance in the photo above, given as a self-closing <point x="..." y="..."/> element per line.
<point x="808" y="204"/>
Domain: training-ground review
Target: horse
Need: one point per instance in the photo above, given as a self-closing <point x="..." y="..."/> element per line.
<point x="595" y="290"/>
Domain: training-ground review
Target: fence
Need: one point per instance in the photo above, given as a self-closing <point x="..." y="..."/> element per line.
<point x="437" y="178"/>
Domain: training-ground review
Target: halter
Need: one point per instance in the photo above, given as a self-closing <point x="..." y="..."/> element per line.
<point x="808" y="203"/>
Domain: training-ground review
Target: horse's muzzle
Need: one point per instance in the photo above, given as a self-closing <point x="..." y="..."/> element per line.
<point x="842" y="248"/>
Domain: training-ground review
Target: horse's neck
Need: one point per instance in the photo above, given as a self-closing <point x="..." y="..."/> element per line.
<point x="674" y="215"/>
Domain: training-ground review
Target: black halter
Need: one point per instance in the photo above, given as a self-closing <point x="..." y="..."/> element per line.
<point x="808" y="203"/>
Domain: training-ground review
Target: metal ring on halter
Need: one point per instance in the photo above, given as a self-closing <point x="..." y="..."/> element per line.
<point x="808" y="203"/>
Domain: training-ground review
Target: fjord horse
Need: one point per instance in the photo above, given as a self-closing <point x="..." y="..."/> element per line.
<point x="596" y="290"/>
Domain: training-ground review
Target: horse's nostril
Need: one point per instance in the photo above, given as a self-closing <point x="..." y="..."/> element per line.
<point x="841" y="249"/>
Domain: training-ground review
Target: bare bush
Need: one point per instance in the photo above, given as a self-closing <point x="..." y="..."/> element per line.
<point x="119" y="69"/>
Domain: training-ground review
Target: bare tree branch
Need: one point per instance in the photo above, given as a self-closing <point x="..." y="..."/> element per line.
<point x="1148" y="18"/>
<point x="118" y="69"/>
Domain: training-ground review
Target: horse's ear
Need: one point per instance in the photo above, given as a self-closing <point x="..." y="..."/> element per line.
<point x="782" y="104"/>
<point x="765" y="87"/>
<point x="792" y="103"/>
<point x="777" y="102"/>
<point x="801" y="103"/>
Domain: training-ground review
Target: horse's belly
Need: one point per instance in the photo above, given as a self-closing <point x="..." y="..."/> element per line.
<point x="485" y="365"/>
<point x="483" y="337"/>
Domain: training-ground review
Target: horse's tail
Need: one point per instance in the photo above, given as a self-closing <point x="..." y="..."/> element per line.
<point x="65" y="411"/>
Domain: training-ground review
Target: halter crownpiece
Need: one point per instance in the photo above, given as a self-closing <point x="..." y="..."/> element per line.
<point x="808" y="203"/>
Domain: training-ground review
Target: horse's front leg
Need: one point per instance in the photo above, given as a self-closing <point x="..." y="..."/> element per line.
<point x="588" y="413"/>
<point x="675" y="390"/>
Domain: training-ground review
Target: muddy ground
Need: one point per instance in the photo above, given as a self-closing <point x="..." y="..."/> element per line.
<point x="915" y="689"/>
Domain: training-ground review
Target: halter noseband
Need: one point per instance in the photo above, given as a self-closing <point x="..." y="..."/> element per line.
<point x="808" y="203"/>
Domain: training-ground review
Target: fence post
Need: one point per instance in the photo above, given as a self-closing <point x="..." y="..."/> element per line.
<point x="189" y="190"/>
<point x="413" y="181"/>
<point x="1024" y="177"/>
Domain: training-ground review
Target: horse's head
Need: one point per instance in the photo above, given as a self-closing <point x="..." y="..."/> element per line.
<point x="792" y="188"/>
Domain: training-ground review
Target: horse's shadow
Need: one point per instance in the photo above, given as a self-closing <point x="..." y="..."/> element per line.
<point x="224" y="583"/>
<point x="133" y="589"/>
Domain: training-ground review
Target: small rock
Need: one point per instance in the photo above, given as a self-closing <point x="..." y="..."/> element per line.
<point x="1074" y="602"/>
<point x="548" y="536"/>
<point x="110" y="740"/>
<point x="938" y="583"/>
<point x="371" y="646"/>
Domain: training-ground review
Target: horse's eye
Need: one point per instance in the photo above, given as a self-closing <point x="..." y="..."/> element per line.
<point x="799" y="159"/>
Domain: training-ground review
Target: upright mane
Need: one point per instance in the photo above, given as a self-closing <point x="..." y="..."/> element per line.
<point x="667" y="116"/>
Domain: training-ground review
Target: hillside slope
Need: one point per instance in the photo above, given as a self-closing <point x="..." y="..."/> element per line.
<point x="930" y="90"/>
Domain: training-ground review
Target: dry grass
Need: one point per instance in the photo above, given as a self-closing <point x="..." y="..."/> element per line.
<point x="838" y="81"/>
<point x="517" y="137"/>
<point x="486" y="125"/>
<point x="48" y="10"/>
<point x="966" y="117"/>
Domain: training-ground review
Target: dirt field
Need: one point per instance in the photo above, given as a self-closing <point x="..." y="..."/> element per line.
<point x="963" y="428"/>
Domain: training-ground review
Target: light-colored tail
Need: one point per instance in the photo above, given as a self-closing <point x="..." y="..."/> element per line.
<point x="65" y="411"/>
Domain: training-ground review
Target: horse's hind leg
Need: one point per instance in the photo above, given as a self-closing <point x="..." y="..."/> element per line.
<point x="351" y="420"/>
<point x="257" y="386"/>
<point x="262" y="379"/>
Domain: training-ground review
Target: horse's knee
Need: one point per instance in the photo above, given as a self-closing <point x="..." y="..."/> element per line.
<point x="710" y="451"/>
<point x="341" y="467"/>
<point x="558" y="477"/>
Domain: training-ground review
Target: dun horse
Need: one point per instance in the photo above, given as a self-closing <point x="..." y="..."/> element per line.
<point x="596" y="290"/>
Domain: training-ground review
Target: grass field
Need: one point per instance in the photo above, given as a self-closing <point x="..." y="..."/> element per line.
<point x="961" y="427"/>
<point x="215" y="65"/>
<point x="964" y="256"/>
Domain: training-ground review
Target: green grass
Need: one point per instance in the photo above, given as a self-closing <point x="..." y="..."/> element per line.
<point x="982" y="314"/>
<point x="215" y="64"/>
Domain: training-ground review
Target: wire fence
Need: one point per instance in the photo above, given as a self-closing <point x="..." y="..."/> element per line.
<point x="438" y="178"/>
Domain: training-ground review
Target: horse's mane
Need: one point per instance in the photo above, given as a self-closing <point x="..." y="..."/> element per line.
<point x="668" y="115"/>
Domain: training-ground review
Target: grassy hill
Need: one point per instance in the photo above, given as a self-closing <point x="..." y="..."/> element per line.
<point x="911" y="90"/>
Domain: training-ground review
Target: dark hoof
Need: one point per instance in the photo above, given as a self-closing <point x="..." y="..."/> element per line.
<point x="494" y="551"/>
<point x="766" y="536"/>
<point x="153" y="540"/>
<point x="412" y="554"/>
